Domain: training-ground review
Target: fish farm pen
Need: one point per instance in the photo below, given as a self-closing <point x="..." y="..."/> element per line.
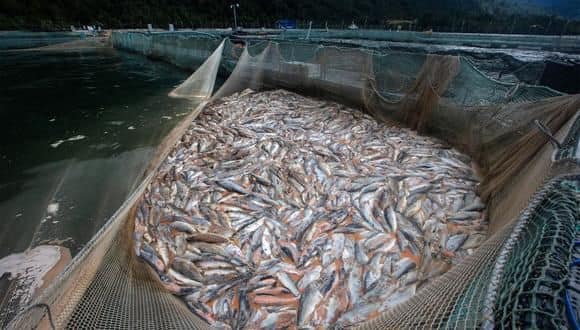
<point x="322" y="186"/>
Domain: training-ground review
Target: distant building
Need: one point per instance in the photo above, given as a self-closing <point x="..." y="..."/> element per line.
<point x="286" y="24"/>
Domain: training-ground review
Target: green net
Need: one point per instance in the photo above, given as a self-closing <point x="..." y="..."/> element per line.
<point x="531" y="291"/>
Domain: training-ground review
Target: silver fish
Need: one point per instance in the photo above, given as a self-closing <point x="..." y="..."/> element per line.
<point x="308" y="303"/>
<point x="280" y="211"/>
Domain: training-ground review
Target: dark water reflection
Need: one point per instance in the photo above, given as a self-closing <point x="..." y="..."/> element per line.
<point x="24" y="39"/>
<point x="76" y="132"/>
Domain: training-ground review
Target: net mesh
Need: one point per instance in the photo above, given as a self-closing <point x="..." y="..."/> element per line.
<point x="393" y="38"/>
<point x="186" y="51"/>
<point x="438" y="95"/>
<point x="201" y="83"/>
<point x="142" y="302"/>
<point x="442" y="96"/>
<point x="532" y="287"/>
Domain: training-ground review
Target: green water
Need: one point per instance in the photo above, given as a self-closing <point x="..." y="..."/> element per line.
<point x="24" y="39"/>
<point x="115" y="108"/>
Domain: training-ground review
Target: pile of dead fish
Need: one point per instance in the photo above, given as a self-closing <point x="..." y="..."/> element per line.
<point x="275" y="210"/>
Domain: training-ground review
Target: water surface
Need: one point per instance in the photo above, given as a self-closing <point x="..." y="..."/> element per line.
<point x="77" y="129"/>
<point x="25" y="39"/>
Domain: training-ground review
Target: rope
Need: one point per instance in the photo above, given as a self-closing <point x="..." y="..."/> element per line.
<point x="511" y="92"/>
<point x="548" y="134"/>
<point x="501" y="73"/>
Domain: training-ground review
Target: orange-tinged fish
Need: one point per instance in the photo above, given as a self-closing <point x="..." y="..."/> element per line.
<point x="286" y="300"/>
<point x="303" y="213"/>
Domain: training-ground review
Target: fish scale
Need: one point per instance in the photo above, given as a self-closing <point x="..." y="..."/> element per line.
<point x="277" y="210"/>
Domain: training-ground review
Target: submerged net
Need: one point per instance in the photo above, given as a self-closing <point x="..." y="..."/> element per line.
<point x="532" y="191"/>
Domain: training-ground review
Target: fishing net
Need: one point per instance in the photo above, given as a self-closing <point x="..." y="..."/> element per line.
<point x="497" y="41"/>
<point x="202" y="82"/>
<point x="186" y="51"/>
<point x="519" y="277"/>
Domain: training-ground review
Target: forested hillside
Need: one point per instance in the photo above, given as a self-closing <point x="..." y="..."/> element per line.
<point x="503" y="16"/>
<point x="565" y="8"/>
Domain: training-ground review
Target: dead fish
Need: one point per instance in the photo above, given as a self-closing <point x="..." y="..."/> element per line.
<point x="207" y="237"/>
<point x="188" y="269"/>
<point x="180" y="244"/>
<point x="209" y="248"/>
<point x="184" y="280"/>
<point x="183" y="227"/>
<point x="308" y="303"/>
<point x="232" y="186"/>
<point x="311" y="276"/>
<point x="290" y="250"/>
<point x="465" y="216"/>
<point x="354" y="284"/>
<point x="391" y="217"/>
<point x="279" y="211"/>
<point x="148" y="254"/>
<point x="420" y="189"/>
<point x="477" y="205"/>
<point x="275" y="300"/>
<point x="360" y="254"/>
<point x="288" y="283"/>
<point x="455" y="242"/>
<point x="163" y="251"/>
<point x="403" y="267"/>
<point x="279" y="320"/>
